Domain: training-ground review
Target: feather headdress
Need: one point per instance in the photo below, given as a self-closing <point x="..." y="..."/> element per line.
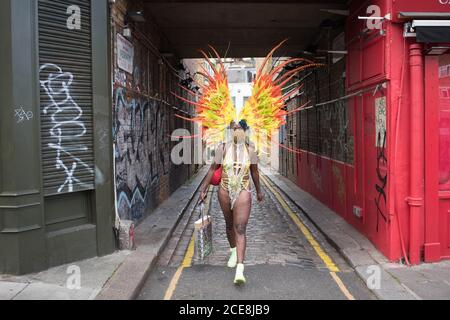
<point x="264" y="111"/>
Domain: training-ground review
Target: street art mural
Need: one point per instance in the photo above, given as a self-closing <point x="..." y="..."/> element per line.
<point x="142" y="151"/>
<point x="66" y="132"/>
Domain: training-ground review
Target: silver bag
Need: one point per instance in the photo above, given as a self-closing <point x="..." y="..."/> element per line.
<point x="203" y="235"/>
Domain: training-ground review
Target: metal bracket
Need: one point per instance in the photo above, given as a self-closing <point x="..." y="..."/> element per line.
<point x="408" y="31"/>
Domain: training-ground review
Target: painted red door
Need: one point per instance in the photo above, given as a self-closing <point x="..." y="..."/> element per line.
<point x="437" y="170"/>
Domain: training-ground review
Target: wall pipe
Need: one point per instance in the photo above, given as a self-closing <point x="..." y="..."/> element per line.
<point x="417" y="158"/>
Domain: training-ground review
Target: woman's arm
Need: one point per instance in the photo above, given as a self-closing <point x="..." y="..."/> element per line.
<point x="255" y="174"/>
<point x="256" y="180"/>
<point x="207" y="181"/>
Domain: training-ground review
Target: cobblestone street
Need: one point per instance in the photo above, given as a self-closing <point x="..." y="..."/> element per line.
<point x="272" y="237"/>
<point x="281" y="261"/>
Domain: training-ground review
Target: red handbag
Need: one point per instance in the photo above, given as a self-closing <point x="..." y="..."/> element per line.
<point x="217" y="177"/>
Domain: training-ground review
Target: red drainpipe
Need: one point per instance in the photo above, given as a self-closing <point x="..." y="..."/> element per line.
<point x="417" y="166"/>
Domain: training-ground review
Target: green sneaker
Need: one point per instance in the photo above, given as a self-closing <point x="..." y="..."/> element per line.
<point x="233" y="258"/>
<point x="240" y="279"/>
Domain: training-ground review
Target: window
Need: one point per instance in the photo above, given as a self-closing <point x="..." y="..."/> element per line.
<point x="444" y="123"/>
<point x="325" y="131"/>
<point x="241" y="75"/>
<point x="236" y="76"/>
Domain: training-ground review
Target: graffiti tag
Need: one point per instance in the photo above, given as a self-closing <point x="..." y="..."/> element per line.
<point x="21" y="115"/>
<point x="67" y="126"/>
<point x="381" y="199"/>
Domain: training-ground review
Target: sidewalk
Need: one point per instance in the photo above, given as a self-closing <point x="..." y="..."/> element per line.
<point x="52" y="284"/>
<point x="151" y="236"/>
<point x="399" y="282"/>
<point x="115" y="277"/>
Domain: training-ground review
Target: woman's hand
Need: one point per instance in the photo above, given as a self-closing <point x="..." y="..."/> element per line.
<point x="203" y="196"/>
<point x="261" y="197"/>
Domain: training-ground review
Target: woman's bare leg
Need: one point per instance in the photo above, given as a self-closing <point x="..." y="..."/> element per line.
<point x="225" y="204"/>
<point x="241" y="214"/>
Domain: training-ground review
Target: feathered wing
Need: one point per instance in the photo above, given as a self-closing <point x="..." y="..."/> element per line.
<point x="264" y="110"/>
<point x="214" y="108"/>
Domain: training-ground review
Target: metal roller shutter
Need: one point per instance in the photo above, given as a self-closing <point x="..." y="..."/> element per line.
<point x="66" y="98"/>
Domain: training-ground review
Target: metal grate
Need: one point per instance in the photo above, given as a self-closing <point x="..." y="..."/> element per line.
<point x="65" y="58"/>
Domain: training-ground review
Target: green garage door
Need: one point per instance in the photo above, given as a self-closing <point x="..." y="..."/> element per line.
<point x="66" y="99"/>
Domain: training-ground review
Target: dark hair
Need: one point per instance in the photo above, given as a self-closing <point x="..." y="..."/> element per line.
<point x="243" y="124"/>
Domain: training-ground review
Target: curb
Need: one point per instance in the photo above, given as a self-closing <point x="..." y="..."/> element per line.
<point x="152" y="236"/>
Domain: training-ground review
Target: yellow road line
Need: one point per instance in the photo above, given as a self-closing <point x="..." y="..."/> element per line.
<point x="189" y="257"/>
<point x="342" y="286"/>
<point x="187" y="260"/>
<point x="320" y="252"/>
<point x="173" y="284"/>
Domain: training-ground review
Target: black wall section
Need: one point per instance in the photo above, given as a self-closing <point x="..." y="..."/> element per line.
<point x="433" y="34"/>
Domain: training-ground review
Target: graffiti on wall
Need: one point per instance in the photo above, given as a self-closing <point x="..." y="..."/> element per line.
<point x="316" y="178"/>
<point x="21" y="115"/>
<point x="339" y="179"/>
<point x="340" y="125"/>
<point x="335" y="138"/>
<point x="142" y="141"/>
<point x="382" y="176"/>
<point x="67" y="128"/>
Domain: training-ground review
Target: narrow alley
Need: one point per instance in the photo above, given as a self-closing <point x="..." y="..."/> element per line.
<point x="111" y="111"/>
<point x="287" y="258"/>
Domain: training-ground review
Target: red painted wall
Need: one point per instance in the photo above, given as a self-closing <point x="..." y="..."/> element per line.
<point x="419" y="6"/>
<point x="379" y="180"/>
<point x="383" y="168"/>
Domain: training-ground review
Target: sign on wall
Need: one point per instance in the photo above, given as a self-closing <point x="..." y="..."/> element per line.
<point x="125" y="54"/>
<point x="380" y="122"/>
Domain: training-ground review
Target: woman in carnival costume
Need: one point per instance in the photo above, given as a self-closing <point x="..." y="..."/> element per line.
<point x="240" y="138"/>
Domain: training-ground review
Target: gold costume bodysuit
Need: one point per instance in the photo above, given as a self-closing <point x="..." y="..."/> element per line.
<point x="236" y="170"/>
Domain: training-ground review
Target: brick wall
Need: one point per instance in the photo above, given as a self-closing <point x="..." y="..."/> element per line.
<point x="144" y="119"/>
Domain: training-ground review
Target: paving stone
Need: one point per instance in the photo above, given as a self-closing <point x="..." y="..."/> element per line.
<point x="44" y="291"/>
<point x="8" y="290"/>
